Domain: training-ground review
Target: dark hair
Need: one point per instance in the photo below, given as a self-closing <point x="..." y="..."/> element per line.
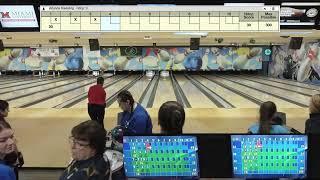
<point x="3" y="105"/>
<point x="124" y="96"/>
<point x="267" y="112"/>
<point x="92" y="132"/>
<point x="100" y="80"/>
<point x="171" y="117"/>
<point x="4" y="125"/>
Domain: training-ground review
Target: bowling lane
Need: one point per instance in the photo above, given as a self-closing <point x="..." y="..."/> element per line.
<point x="69" y="95"/>
<point x="281" y="85"/>
<point x="67" y="85"/>
<point x="23" y="85"/>
<point x="164" y="93"/>
<point x="136" y="90"/>
<point x="4" y="79"/>
<point x="233" y="98"/>
<point x="46" y="88"/>
<point x="257" y="94"/>
<point x="110" y="91"/>
<point x="280" y="92"/>
<point x="195" y="97"/>
<point x="290" y="82"/>
<point x="22" y="79"/>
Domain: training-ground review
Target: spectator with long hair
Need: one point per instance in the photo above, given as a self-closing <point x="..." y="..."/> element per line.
<point x="171" y="118"/>
<point x="267" y="124"/>
<point x="313" y="123"/>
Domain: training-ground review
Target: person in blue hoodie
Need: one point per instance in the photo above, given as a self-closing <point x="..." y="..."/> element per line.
<point x="7" y="146"/>
<point x="134" y="119"/>
<point x="267" y="124"/>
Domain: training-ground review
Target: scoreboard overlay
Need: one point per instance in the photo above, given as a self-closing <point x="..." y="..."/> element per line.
<point x="159" y="18"/>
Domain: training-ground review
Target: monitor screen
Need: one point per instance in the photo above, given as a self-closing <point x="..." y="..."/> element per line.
<point x="269" y="156"/>
<point x="23" y="16"/>
<point x="160" y="156"/>
<point x="299" y="14"/>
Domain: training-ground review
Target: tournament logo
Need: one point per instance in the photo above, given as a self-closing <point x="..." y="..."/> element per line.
<point x="5" y="15"/>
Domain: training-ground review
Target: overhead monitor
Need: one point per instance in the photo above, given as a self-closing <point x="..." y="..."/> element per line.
<point x="298" y="15"/>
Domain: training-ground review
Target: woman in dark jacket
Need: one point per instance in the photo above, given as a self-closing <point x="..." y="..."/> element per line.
<point x="313" y="123"/>
<point x="87" y="144"/>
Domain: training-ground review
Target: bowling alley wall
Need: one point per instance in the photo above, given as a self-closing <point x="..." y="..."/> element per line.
<point x="136" y="58"/>
<point x="302" y="64"/>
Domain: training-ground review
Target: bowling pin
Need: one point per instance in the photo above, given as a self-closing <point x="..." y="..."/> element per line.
<point x="164" y="55"/>
<point x="205" y="60"/>
<point x="305" y="70"/>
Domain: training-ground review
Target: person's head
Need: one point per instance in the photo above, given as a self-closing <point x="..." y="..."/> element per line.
<point x="171" y="117"/>
<point x="4" y="108"/>
<point x="7" y="140"/>
<point x="100" y="80"/>
<point x="87" y="139"/>
<point x="314" y="106"/>
<point x="267" y="111"/>
<point x="125" y="101"/>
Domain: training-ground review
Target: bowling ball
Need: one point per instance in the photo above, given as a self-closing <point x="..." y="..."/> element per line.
<point x="193" y="62"/>
<point x="117" y="134"/>
<point x="74" y="63"/>
<point x="179" y="58"/>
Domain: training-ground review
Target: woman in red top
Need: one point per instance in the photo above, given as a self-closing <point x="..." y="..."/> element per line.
<point x="97" y="101"/>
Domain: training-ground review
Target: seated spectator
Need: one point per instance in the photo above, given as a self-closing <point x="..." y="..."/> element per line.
<point x="171" y="118"/>
<point x="313" y="123"/>
<point x="88" y="140"/>
<point x="267" y="124"/>
<point x="134" y="119"/>
<point x="15" y="158"/>
<point x="4" y="110"/>
<point x="7" y="146"/>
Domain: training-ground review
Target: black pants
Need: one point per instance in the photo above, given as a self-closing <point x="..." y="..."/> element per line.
<point x="96" y="113"/>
